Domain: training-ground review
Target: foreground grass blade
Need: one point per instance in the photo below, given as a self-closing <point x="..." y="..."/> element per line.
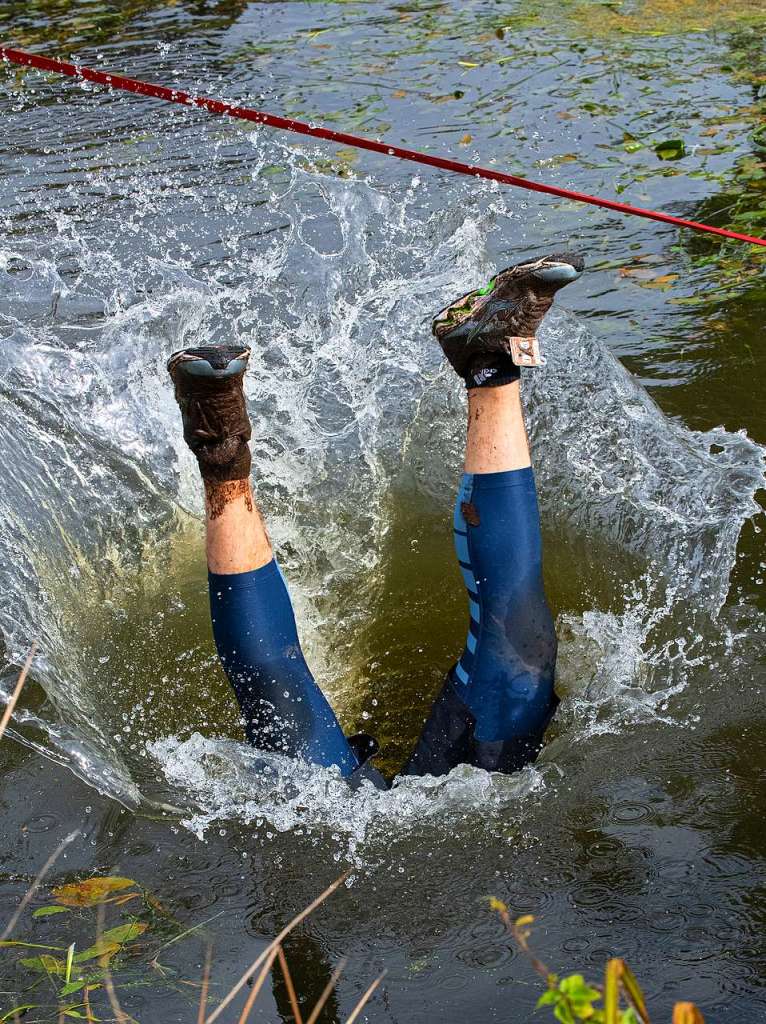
<point x="258" y="984"/>
<point x="612" y="992"/>
<point x="326" y="991"/>
<point x="634" y="993"/>
<point x="272" y="947"/>
<point x="205" y="985"/>
<point x="17" y="690"/>
<point x="365" y="999"/>
<point x="687" y="1013"/>
<point x="290" y="987"/>
<point x="36" y="884"/>
<point x="618" y="976"/>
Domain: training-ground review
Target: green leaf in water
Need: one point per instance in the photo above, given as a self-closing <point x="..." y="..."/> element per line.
<point x="124" y="932"/>
<point x="99" y="948"/>
<point x="670" y="149"/>
<point x="44" y="964"/>
<point x="72" y="986"/>
<point x="18" y="1011"/>
<point x="29" y="945"/>
<point x="47" y="911"/>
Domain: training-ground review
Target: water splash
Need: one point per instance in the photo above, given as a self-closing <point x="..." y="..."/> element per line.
<point x="230" y="782"/>
<point x="333" y="283"/>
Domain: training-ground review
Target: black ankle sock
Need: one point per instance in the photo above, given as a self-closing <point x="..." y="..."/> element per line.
<point x="492" y="371"/>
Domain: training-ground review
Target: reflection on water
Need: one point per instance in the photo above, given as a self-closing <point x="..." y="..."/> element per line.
<point x="131" y="231"/>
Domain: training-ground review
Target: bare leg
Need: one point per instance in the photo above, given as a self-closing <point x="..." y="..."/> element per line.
<point x="497" y="437"/>
<point x="235" y="533"/>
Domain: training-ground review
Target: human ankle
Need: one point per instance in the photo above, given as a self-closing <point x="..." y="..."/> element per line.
<point x="496" y="396"/>
<point x="221" y="493"/>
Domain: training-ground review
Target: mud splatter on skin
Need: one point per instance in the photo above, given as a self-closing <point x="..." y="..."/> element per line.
<point x="218" y="495"/>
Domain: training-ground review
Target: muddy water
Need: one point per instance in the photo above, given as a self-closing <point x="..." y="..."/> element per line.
<point x="131" y="229"/>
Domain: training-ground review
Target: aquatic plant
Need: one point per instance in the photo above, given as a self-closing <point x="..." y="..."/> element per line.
<point x="573" y="999"/>
<point x="64" y="981"/>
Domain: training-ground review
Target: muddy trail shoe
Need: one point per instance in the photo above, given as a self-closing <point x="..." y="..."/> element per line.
<point x="488" y="333"/>
<point x="208" y="384"/>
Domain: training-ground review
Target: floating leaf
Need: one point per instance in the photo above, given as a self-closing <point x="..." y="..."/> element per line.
<point x="641" y="273"/>
<point x="17" y="1011"/>
<point x="632" y="145"/>
<point x="111" y="941"/>
<point x="670" y="149"/>
<point x="99" y="948"/>
<point x="468" y="64"/>
<point x="44" y="964"/>
<point x="72" y="986"/>
<point x="90" y="891"/>
<point x="663" y="282"/>
<point x="47" y="911"/>
<point x="30" y="945"/>
<point x="124" y="932"/>
<point x="466" y="140"/>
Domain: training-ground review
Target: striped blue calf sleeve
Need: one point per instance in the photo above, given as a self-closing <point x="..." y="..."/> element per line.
<point x="505" y="673"/>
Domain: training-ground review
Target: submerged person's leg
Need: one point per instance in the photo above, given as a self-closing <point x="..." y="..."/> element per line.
<point x="257" y="641"/>
<point x="253" y="622"/>
<point x="505" y="674"/>
<point x="499" y="698"/>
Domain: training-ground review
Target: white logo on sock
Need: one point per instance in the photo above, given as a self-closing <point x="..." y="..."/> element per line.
<point x="485" y="374"/>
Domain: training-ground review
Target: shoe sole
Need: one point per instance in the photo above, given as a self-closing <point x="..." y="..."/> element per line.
<point x="209" y="361"/>
<point x="547" y="270"/>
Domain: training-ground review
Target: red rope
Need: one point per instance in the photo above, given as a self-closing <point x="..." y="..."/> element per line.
<point x="219" y="107"/>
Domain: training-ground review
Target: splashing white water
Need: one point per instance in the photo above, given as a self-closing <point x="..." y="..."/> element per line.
<point x="333" y="283"/>
<point x="232" y="782"/>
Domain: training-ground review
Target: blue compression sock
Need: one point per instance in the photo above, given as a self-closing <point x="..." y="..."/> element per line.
<point x="505" y="674"/>
<point x="498" y="699"/>
<point x="257" y="641"/>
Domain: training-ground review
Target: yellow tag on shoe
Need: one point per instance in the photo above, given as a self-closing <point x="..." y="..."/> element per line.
<point x="526" y="352"/>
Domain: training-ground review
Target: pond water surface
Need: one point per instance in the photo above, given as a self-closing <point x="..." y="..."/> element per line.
<point x="131" y="228"/>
